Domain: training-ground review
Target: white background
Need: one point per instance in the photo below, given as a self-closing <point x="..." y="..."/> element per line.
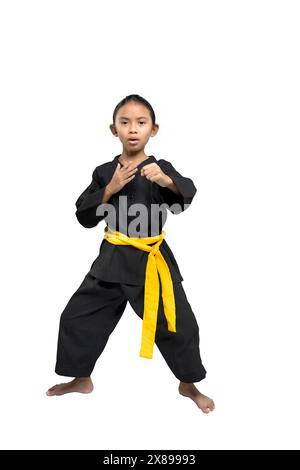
<point x="223" y="78"/>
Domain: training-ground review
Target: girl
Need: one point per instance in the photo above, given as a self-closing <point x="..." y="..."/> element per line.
<point x="134" y="264"/>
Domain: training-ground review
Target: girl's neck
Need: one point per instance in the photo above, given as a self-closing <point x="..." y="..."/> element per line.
<point x="135" y="158"/>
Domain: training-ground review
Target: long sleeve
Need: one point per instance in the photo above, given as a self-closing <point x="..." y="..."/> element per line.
<point x="185" y="186"/>
<point x="89" y="200"/>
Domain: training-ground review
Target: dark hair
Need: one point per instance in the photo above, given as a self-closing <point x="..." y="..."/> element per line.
<point x="138" y="99"/>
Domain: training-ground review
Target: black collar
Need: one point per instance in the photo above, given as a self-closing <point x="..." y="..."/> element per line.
<point x="148" y="160"/>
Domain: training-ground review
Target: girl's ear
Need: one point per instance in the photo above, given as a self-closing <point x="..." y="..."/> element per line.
<point x="154" y="130"/>
<point x="113" y="130"/>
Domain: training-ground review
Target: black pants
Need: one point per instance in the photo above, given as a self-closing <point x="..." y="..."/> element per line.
<point x="93" y="312"/>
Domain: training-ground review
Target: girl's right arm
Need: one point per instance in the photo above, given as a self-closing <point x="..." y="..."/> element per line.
<point x="99" y="192"/>
<point x="94" y="195"/>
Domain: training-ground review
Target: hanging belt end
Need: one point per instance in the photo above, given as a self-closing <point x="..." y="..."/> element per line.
<point x="146" y="355"/>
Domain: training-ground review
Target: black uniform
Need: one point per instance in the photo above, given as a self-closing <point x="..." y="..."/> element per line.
<point x="117" y="275"/>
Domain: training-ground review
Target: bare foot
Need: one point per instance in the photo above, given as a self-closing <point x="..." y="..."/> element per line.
<point x="79" y="384"/>
<point x="205" y="403"/>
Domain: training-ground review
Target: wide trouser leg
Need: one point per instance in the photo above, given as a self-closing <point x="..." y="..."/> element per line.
<point x="180" y="349"/>
<point x="86" y="323"/>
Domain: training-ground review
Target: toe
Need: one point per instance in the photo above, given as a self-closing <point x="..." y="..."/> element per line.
<point x="51" y="391"/>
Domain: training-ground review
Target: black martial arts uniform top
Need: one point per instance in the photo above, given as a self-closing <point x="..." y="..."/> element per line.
<point x="125" y="263"/>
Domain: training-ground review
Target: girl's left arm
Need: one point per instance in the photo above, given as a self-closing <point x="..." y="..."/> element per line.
<point x="185" y="186"/>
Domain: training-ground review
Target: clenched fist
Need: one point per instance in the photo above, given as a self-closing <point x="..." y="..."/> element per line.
<point x="154" y="173"/>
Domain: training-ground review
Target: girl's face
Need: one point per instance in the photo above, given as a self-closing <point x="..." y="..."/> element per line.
<point x="133" y="126"/>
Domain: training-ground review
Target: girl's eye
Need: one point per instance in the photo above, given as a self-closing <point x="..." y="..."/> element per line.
<point x="124" y="122"/>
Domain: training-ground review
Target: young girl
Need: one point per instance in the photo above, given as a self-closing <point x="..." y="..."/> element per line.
<point x="134" y="264"/>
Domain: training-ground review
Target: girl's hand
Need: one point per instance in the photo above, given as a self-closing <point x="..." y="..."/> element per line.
<point x="153" y="173"/>
<point x="121" y="177"/>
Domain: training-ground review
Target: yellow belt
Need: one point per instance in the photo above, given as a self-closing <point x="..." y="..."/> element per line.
<point x="155" y="264"/>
